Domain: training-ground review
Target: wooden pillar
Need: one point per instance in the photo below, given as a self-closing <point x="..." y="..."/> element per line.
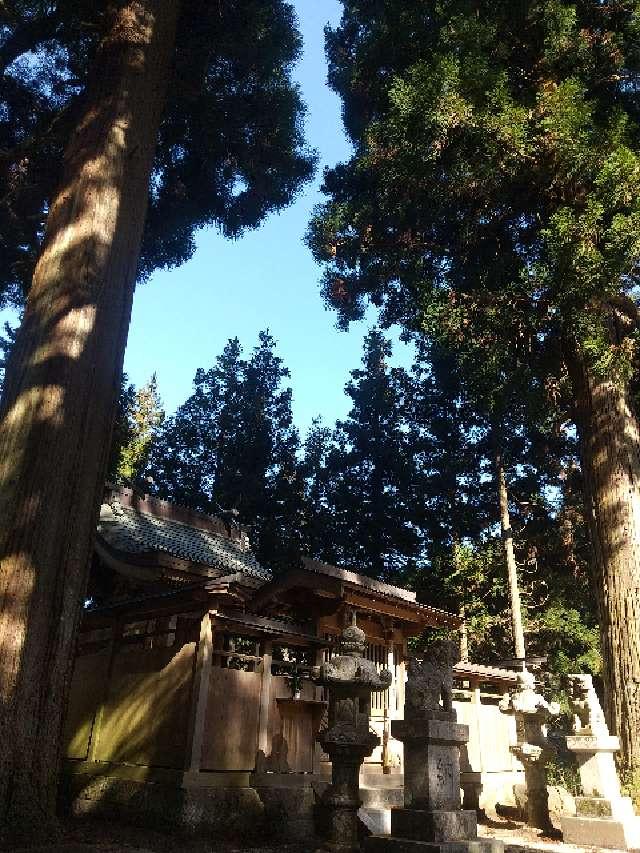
<point x="402" y="675"/>
<point x="476" y="701"/>
<point x="116" y="636"/>
<point x="393" y="688"/>
<point x="318" y="660"/>
<point x="389" y="710"/>
<point x="199" y="697"/>
<point x="265" y="697"/>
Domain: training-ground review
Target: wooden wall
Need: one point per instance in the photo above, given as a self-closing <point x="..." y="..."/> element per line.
<point x="87" y="687"/>
<point x="144" y="720"/>
<point x="131" y="702"/>
<point x="490" y="734"/>
<point x="136" y="715"/>
<point x="231" y="723"/>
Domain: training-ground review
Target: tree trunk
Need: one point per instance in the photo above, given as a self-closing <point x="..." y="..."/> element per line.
<point x="59" y="399"/>
<point x="610" y="455"/>
<point x="512" y="568"/>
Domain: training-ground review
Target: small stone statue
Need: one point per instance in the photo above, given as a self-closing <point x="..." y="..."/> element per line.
<point x="585" y="706"/>
<point x="431" y="680"/>
<point x="525" y="699"/>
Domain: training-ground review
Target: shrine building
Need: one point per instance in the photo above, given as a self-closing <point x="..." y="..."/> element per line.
<point x="191" y="700"/>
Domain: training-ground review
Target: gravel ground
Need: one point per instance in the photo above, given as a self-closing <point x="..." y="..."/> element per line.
<point x="106" y="837"/>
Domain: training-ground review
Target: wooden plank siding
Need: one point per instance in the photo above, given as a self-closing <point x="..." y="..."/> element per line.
<point x="144" y="720"/>
<point x="231" y="722"/>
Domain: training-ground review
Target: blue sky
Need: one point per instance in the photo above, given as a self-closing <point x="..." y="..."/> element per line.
<point x="267" y="279"/>
<point x="182" y="318"/>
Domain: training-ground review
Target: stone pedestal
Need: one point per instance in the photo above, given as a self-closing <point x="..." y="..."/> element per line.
<point x="432" y="818"/>
<point x="604" y="818"/>
<point x="594" y="754"/>
<point x="347" y="748"/>
<point x="600" y="822"/>
<point x="432" y="779"/>
<point x="533" y="759"/>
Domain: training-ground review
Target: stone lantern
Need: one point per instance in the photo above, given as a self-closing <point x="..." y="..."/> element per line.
<point x="603" y="816"/>
<point x="532" y="712"/>
<point x="348" y="740"/>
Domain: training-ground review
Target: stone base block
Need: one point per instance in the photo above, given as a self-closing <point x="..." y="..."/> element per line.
<point x="619" y="809"/>
<point x="434" y="825"/>
<point x="601" y="832"/>
<point x="387" y="844"/>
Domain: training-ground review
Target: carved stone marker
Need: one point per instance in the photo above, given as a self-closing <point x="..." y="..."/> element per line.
<point x="604" y="818"/>
<point x="432" y="818"/>
<point x="348" y="740"/>
<point x="532" y="712"/>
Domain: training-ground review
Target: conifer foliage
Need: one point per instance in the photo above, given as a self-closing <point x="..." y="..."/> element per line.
<point x="403" y="489"/>
<point x="493" y="198"/>
<point x="232" y="448"/>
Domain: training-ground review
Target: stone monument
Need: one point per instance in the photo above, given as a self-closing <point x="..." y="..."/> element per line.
<point x="432" y="818"/>
<point x="348" y="740"/>
<point x="533" y="750"/>
<point x="603" y="816"/>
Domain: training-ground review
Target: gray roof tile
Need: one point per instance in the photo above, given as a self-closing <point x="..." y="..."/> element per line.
<point x="135" y="532"/>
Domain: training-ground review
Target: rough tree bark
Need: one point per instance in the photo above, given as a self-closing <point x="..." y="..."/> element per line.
<point x="59" y="398"/>
<point x="610" y="455"/>
<point x="512" y="568"/>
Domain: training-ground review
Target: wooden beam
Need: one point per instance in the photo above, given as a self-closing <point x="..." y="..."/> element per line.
<point x="388" y="608"/>
<point x="265" y="697"/>
<point x="297" y="579"/>
<point x="94" y="738"/>
<point x="414" y="618"/>
<point x="199" y="696"/>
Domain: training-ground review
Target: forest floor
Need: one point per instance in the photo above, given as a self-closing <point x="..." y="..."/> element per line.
<point x="97" y="836"/>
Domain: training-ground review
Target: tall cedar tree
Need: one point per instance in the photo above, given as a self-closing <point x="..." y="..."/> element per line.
<point x="495" y="185"/>
<point x="371" y="470"/>
<point x="144" y="416"/>
<point x="445" y="543"/>
<point x="232" y="448"/>
<point x="449" y="506"/>
<point x="455" y="456"/>
<point x="110" y="111"/>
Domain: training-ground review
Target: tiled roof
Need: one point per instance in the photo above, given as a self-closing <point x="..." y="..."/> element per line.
<point x="466" y="669"/>
<point x="358" y="579"/>
<point x="387" y="591"/>
<point x="134" y="532"/>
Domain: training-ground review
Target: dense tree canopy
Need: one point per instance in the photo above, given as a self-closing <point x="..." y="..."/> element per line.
<point x="230" y="146"/>
<point x="372" y="484"/>
<point x="403" y="489"/>
<point x="495" y="179"/>
<point x="231" y="448"/>
<point x="492" y="203"/>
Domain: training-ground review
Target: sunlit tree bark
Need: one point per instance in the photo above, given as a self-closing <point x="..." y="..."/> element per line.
<point x="59" y="398"/>
<point x="610" y="453"/>
<point x="512" y="567"/>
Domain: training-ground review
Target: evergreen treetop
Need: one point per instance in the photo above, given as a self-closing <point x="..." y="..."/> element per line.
<point x="493" y="192"/>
